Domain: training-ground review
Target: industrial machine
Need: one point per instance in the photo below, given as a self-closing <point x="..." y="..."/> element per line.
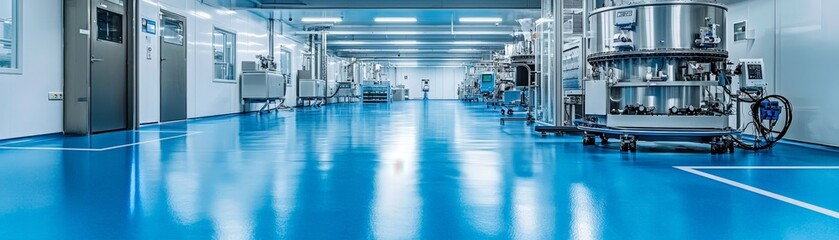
<point x="655" y="77"/>
<point x="261" y="83"/>
<point x="425" y="88"/>
<point x="522" y="62"/>
<point x="400" y="93"/>
<point x="310" y="91"/>
<point x="347" y="92"/>
<point x="470" y="88"/>
<point x="572" y="62"/>
<point x="312" y="88"/>
<point x="376" y="92"/>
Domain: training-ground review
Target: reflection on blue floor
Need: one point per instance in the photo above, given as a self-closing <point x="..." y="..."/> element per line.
<point x="408" y="170"/>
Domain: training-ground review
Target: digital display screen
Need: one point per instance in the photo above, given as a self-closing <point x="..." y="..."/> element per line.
<point x="487" y="78"/>
<point x="755" y="71"/>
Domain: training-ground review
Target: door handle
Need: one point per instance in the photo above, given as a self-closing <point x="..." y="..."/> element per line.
<point x="162" y="59"/>
<point x="94" y="59"/>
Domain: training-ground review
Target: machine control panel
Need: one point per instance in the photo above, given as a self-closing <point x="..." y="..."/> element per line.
<point x="487" y="82"/>
<point x="752" y="77"/>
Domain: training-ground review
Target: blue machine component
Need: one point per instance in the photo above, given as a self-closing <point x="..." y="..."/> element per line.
<point x="487" y="82"/>
<point x="512" y="97"/>
<point x="770" y="110"/>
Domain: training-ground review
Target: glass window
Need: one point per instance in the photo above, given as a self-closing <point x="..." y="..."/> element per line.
<point x="9" y="36"/>
<point x="173" y="31"/>
<point x="108" y="25"/>
<point x="224" y="54"/>
<point x="285" y="65"/>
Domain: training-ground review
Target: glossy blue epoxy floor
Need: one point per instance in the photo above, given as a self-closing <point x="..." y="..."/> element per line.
<point x="409" y="170"/>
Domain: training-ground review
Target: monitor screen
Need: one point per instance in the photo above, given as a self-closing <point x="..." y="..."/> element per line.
<point x="487" y="78"/>
<point x="755" y="71"/>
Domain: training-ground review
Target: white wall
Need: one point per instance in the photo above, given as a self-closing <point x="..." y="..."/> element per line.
<point x="23" y="97"/>
<point x="795" y="39"/>
<point x="206" y="96"/>
<point x="443" y="81"/>
<point x="807" y="59"/>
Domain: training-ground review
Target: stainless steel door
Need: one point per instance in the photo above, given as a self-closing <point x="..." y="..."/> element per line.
<point x="108" y="85"/>
<point x="172" y="67"/>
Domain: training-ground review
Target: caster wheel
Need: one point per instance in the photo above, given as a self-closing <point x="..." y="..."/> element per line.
<point x="716" y="149"/>
<point x="633" y="147"/>
<point x="503" y="113"/>
<point x="510" y="112"/>
<point x="604" y="140"/>
<point x="624" y="147"/>
<point x="730" y="148"/>
<point x="588" y="141"/>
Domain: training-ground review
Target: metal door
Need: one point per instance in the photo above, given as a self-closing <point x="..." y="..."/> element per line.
<point x="172" y="67"/>
<point x="108" y="84"/>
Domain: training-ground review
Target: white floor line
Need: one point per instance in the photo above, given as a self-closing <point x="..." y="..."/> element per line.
<point x="149" y="141"/>
<point x="776" y="196"/>
<point x="763" y="167"/>
<point x="98" y="149"/>
<point x="163" y="131"/>
<point x="51" y="149"/>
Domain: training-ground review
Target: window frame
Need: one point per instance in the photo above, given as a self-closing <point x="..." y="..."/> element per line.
<point x="284" y="50"/>
<point x="233" y="53"/>
<point x="181" y="34"/>
<point x="17" y="51"/>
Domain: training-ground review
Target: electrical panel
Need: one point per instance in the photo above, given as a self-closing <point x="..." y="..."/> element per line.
<point x="487" y="82"/>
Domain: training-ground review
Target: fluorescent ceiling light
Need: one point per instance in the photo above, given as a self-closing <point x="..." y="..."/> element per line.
<point x="226" y="12"/>
<point x="396" y="20"/>
<point x="321" y="19"/>
<point x="481" y="19"/>
<point x="466" y="50"/>
<point x="403" y="42"/>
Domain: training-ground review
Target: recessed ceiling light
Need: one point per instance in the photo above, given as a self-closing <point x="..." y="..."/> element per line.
<point x="396" y="20"/>
<point x="321" y="19"/>
<point x="481" y="19"/>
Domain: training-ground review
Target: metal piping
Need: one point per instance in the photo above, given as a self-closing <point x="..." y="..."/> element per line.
<point x="324" y="61"/>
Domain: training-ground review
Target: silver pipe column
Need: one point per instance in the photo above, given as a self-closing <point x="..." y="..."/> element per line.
<point x="271" y="37"/>
<point x="559" y="94"/>
<point x="324" y="57"/>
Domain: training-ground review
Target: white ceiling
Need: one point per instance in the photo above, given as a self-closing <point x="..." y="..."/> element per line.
<point x="438" y="35"/>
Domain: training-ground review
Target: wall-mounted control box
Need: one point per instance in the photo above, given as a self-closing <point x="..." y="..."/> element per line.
<point x="752" y="77"/>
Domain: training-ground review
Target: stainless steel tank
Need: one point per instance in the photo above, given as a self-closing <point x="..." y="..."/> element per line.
<point x="659" y="54"/>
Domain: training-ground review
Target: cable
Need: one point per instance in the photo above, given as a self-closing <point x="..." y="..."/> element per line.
<point x="765" y="134"/>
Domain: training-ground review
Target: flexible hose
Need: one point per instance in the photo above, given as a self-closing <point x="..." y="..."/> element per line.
<point x="766" y="136"/>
